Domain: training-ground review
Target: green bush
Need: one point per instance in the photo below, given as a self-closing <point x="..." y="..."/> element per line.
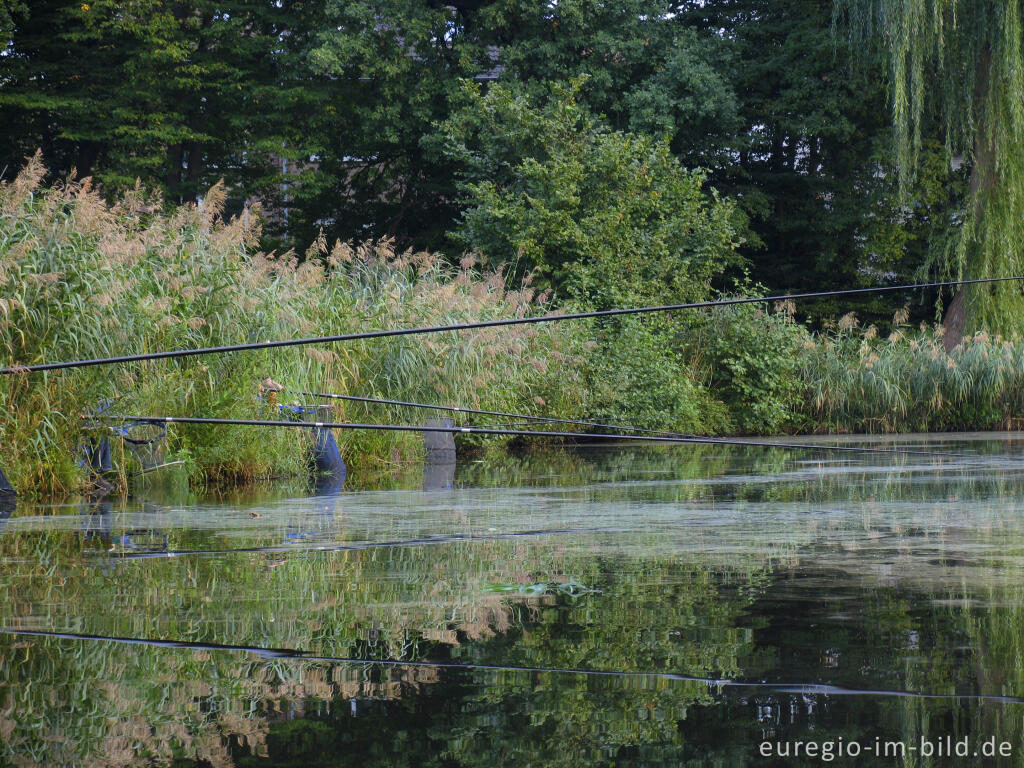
<point x="608" y="218"/>
<point x="639" y="375"/>
<point x="753" y="356"/>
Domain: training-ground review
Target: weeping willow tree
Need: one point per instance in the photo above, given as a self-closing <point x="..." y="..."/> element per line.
<point x="962" y="59"/>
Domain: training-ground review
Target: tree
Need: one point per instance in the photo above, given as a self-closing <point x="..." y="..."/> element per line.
<point x="178" y="94"/>
<point x="610" y="217"/>
<point x="962" y="61"/>
<point x="811" y="162"/>
<point x="9" y="11"/>
<point x="394" y="67"/>
<point x="644" y="70"/>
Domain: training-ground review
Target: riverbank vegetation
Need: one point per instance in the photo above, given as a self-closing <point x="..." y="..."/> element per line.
<point x="83" y="278"/>
<point x="284" y="171"/>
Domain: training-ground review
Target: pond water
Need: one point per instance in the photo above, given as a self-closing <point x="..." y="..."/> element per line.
<point x="626" y="606"/>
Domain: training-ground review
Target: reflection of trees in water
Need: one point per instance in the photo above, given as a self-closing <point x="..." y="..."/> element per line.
<point x="688" y="614"/>
<point x="523" y="718"/>
<point x="655" y="614"/>
<point x="685" y="606"/>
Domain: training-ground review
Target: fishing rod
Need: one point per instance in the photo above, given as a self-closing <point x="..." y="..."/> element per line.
<point x="177" y="353"/>
<point x="502" y="414"/>
<point x="514" y="433"/>
<point x="297" y="655"/>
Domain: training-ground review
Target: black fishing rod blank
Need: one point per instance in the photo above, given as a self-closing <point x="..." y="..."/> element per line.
<point x="177" y="353"/>
<point x="518" y="433"/>
<point x="502" y="414"/>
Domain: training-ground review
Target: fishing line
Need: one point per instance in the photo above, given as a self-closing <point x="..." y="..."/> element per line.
<point x="176" y="353"/>
<point x="287" y="653"/>
<point x="519" y="433"/>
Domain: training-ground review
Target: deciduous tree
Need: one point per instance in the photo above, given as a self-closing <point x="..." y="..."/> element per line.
<point x="963" y="59"/>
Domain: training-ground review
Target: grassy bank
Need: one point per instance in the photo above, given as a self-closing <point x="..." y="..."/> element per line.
<point x="81" y="278"/>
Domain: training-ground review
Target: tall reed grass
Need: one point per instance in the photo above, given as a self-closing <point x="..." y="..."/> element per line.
<point x="81" y="278"/>
<point x="855" y="381"/>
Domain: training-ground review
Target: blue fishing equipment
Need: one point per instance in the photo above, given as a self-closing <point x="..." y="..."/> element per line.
<point x="97" y="455"/>
<point x="94" y="452"/>
<point x="8" y="498"/>
<point x="145" y="441"/>
<point x="142" y="438"/>
<point x="439" y="477"/>
<point x="324" y="456"/>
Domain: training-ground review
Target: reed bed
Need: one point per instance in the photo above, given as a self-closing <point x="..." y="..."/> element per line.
<point x="81" y="278"/>
<point x="856" y="381"/>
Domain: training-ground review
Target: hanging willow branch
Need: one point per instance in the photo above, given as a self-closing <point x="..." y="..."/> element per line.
<point x="962" y="59"/>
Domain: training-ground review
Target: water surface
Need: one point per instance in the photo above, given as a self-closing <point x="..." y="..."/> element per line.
<point x="617" y="606"/>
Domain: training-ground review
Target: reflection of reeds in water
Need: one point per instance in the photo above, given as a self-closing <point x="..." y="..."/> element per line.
<point x="393" y="604"/>
<point x="674" y="591"/>
<point x="682" y="613"/>
<point x="152" y="705"/>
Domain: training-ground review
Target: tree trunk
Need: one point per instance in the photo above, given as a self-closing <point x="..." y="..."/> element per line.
<point x="88" y="154"/>
<point x="983" y="179"/>
<point x="173" y="178"/>
<point x="195" y="167"/>
<point x="953" y="322"/>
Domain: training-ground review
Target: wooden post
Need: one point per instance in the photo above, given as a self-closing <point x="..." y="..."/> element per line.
<point x="439" y="467"/>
